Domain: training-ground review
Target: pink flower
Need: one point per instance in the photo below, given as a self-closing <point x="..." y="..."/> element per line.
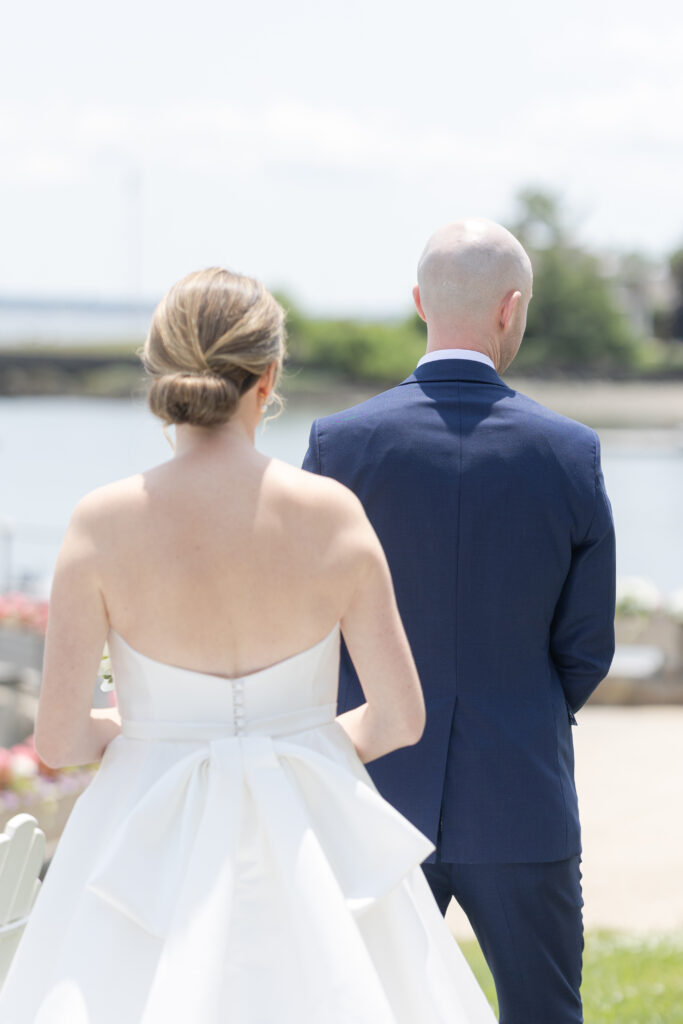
<point x="23" y="765"/>
<point x="5" y="767"/>
<point x="25" y="749"/>
<point x="18" y="609"/>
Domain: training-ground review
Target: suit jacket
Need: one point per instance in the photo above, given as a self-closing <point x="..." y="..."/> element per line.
<point x="493" y="515"/>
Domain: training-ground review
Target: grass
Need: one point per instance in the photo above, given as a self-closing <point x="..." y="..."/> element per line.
<point x="626" y="979"/>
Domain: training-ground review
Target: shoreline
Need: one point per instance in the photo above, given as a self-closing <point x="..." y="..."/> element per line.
<point x="609" y="403"/>
<point x="116" y="373"/>
<point x="598" y="403"/>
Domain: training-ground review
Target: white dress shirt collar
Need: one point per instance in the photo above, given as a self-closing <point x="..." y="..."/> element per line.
<point x="456" y="353"/>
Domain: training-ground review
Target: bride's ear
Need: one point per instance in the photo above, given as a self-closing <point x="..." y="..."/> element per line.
<point x="266" y="383"/>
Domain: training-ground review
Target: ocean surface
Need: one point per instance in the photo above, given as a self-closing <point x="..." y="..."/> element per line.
<point x="55" y="450"/>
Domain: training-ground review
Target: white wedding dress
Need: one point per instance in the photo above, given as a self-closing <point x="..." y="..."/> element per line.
<point x="232" y="862"/>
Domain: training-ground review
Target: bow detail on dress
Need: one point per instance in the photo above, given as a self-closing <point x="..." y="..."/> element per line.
<point x="173" y="859"/>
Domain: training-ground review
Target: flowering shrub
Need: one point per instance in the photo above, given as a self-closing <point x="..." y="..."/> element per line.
<point x="26" y="781"/>
<point x="19" y="611"/>
<point x="20" y="766"/>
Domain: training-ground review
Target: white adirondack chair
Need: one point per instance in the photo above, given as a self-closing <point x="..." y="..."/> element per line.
<point x="22" y="850"/>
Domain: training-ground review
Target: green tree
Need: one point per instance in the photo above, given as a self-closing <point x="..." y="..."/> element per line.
<point x="351" y="349"/>
<point x="539" y="224"/>
<point x="574" y="322"/>
<point x="676" y="272"/>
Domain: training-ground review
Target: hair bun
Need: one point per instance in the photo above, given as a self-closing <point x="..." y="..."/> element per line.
<point x="201" y="399"/>
<point x="212" y="336"/>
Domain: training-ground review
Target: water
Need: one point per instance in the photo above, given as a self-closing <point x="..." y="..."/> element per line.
<point x="54" y="450"/>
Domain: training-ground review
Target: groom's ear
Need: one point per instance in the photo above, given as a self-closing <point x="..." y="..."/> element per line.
<point x="508" y="309"/>
<point x="418" y="303"/>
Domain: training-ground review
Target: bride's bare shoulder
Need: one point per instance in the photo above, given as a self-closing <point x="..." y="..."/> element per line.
<point x="99" y="505"/>
<point x="319" y="494"/>
<point x="328" y="518"/>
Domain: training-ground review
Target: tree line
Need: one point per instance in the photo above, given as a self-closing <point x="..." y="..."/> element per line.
<point x="590" y="315"/>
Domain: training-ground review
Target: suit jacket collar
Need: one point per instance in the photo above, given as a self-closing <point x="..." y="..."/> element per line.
<point x="454" y="370"/>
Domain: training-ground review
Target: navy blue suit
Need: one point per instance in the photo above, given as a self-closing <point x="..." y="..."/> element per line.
<point x="493" y="515"/>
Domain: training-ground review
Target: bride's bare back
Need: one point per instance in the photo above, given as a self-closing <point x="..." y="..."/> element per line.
<point x="226" y="561"/>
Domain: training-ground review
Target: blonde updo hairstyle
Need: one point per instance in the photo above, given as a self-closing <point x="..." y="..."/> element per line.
<point x="212" y="336"/>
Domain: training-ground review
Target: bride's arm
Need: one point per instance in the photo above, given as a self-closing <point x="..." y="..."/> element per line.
<point x="68" y="730"/>
<point x="394" y="713"/>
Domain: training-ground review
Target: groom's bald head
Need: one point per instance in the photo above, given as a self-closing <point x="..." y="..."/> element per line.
<point x="474" y="285"/>
<point x="468" y="267"/>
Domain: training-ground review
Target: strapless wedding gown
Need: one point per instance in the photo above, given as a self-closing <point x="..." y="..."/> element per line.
<point x="232" y="862"/>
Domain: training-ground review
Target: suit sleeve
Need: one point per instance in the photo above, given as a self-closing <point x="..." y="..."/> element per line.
<point x="582" y="631"/>
<point x="312" y="457"/>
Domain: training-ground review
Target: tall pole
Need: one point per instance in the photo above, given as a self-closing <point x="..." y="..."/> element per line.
<point x="132" y="193"/>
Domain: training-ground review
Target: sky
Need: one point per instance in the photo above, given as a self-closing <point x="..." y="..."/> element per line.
<point x="317" y="145"/>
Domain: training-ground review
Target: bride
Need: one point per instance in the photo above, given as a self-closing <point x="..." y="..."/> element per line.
<point x="231" y="859"/>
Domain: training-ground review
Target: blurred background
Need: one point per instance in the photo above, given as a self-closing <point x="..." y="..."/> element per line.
<point x="317" y="146"/>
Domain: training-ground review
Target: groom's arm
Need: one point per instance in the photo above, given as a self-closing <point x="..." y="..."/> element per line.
<point x="582" y="631"/>
<point x="312" y="457"/>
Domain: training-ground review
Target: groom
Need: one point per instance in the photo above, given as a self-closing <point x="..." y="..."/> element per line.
<point x="494" y="518"/>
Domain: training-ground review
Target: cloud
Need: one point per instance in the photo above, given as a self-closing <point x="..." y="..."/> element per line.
<point x="217" y="138"/>
<point x="646" y="46"/>
<point x="267" y="183"/>
<point x="642" y="115"/>
<point x="62" y="143"/>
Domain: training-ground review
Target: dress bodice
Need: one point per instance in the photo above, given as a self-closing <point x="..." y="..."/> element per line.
<point x="161" y="701"/>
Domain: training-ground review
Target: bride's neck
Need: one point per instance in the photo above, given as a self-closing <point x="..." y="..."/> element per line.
<point x="235" y="435"/>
